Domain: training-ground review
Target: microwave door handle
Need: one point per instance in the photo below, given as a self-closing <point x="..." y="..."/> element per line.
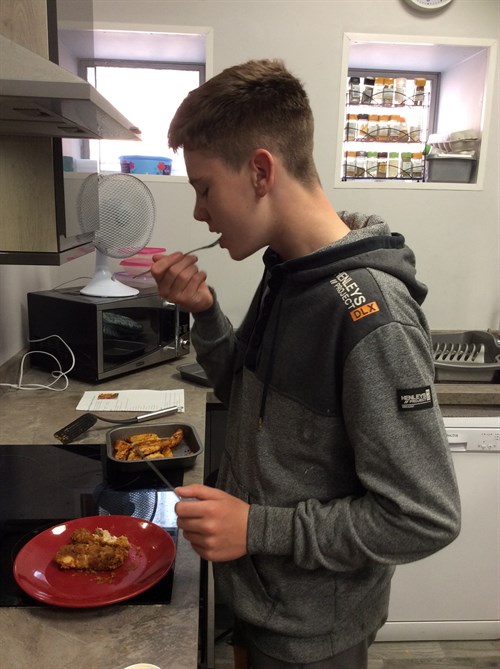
<point x="177" y="326"/>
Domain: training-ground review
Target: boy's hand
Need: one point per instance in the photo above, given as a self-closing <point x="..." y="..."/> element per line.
<point x="181" y="282"/>
<point x="215" y="523"/>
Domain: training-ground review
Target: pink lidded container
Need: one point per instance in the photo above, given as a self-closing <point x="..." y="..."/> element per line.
<point x="140" y="261"/>
<point x="137" y="264"/>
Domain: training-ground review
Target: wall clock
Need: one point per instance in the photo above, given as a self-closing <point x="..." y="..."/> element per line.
<point x="428" y="4"/>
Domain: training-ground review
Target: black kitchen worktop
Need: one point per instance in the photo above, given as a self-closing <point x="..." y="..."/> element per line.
<point x="47" y="485"/>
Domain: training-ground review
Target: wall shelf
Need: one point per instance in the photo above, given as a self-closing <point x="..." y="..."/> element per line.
<point x="462" y="100"/>
<point x="387" y="117"/>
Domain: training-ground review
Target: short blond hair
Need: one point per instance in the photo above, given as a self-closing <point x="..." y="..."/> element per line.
<point x="258" y="104"/>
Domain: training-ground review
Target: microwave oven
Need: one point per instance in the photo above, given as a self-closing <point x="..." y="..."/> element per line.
<point x="108" y="336"/>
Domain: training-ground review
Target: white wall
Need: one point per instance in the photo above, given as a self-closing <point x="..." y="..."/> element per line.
<point x="455" y="234"/>
<point x="462" y="92"/>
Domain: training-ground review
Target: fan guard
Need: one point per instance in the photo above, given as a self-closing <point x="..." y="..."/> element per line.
<point x="119" y="210"/>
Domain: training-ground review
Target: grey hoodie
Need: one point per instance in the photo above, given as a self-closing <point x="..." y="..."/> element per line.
<point x="334" y="438"/>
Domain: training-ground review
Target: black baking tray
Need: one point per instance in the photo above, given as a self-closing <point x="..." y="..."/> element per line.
<point x="184" y="455"/>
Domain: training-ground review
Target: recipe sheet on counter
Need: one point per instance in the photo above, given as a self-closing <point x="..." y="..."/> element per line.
<point x="131" y="400"/>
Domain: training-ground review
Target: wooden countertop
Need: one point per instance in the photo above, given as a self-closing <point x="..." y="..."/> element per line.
<point x="463" y="394"/>
<point x="115" y="636"/>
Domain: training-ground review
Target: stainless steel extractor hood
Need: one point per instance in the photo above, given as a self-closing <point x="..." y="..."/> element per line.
<point x="37" y="97"/>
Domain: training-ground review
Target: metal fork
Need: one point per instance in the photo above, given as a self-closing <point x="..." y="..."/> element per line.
<point x="198" y="248"/>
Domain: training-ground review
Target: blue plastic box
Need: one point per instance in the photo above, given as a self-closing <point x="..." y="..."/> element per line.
<point x="146" y="164"/>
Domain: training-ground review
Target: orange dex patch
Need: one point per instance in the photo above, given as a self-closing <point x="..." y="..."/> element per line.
<point x="365" y="310"/>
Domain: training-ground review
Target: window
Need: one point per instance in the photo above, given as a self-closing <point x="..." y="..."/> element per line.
<point x="148" y="94"/>
<point x="459" y="80"/>
<point x="145" y="72"/>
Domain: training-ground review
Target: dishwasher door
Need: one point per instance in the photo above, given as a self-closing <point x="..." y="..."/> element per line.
<point x="455" y="593"/>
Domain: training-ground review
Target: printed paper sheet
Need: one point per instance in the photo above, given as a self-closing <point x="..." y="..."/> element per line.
<point x="131" y="400"/>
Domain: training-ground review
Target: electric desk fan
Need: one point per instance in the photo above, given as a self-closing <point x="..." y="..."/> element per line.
<point x="120" y="212"/>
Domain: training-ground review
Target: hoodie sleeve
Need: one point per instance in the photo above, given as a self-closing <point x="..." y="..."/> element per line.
<point x="220" y="349"/>
<point x="215" y="343"/>
<point x="411" y="507"/>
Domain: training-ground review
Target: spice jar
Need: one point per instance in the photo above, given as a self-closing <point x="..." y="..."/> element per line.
<point x="362" y="127"/>
<point x="417" y="165"/>
<point x="418" y="98"/>
<point x="393" y="133"/>
<point x="360" y="164"/>
<point x="403" y="130"/>
<point x="378" y="90"/>
<point x="351" y="127"/>
<point x="393" y="165"/>
<point x="400" y="91"/>
<point x="367" y="97"/>
<point x="388" y="92"/>
<point x="373" y="120"/>
<point x="415" y="133"/>
<point x="372" y="164"/>
<point x="354" y="91"/>
<point x="350" y="164"/>
<point x="382" y="165"/>
<point x="383" y="128"/>
<point x="406" y="165"/>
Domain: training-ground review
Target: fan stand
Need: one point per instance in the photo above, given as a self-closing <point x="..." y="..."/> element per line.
<point x="103" y="284"/>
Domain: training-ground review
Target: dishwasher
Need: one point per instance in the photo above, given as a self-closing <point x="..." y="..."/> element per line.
<point x="455" y="593"/>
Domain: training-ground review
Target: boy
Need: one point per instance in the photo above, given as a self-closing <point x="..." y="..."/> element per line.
<point x="336" y="466"/>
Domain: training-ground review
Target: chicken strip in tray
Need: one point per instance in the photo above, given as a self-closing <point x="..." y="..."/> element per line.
<point x="147" y="446"/>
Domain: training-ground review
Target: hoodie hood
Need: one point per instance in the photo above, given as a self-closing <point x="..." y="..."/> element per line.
<point x="369" y="244"/>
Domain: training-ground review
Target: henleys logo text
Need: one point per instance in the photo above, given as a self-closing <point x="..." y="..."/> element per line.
<point x="353" y="298"/>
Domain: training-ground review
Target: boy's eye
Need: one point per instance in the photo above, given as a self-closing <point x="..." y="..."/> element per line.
<point x="200" y="189"/>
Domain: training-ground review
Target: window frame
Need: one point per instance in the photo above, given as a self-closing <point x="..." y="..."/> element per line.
<point x="85" y="63"/>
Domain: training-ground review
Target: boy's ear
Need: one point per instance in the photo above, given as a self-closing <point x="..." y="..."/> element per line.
<point x="263" y="171"/>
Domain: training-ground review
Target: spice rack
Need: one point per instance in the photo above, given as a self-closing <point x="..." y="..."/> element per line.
<point x="386" y="123"/>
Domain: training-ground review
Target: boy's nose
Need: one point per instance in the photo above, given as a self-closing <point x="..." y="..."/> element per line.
<point x="200" y="213"/>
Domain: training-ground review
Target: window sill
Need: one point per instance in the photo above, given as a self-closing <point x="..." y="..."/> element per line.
<point x="162" y="178"/>
<point x="406" y="185"/>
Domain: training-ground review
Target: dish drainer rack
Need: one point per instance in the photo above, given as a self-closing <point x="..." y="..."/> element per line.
<point x="469" y="357"/>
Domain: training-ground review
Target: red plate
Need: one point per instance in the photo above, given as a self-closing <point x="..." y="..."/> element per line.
<point x="151" y="556"/>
